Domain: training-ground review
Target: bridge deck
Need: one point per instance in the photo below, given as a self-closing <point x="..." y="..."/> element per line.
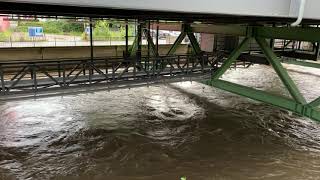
<point x="204" y="10"/>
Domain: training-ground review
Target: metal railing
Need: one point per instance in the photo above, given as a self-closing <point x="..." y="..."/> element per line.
<point x="74" y="41"/>
<point x="23" y="77"/>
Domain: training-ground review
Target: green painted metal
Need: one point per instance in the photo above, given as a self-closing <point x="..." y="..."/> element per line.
<point x="298" y="104"/>
<point x="136" y="46"/>
<point x="315" y="103"/>
<point x="193" y="40"/>
<point x="302" y="63"/>
<point x="133" y="47"/>
<point x="279" y="101"/>
<point x="280" y="70"/>
<point x="176" y="44"/>
<point x="311" y="34"/>
<point x="194" y="43"/>
<point x="150" y="41"/>
<point x="233" y="57"/>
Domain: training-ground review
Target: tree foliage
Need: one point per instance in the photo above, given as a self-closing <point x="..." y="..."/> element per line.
<point x="54" y="26"/>
<point x="106" y="29"/>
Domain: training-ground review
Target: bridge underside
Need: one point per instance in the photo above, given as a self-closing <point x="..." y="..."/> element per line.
<point x="24" y="77"/>
<point x="58" y="10"/>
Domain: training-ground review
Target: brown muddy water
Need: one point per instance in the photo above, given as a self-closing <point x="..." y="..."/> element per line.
<point x="163" y="133"/>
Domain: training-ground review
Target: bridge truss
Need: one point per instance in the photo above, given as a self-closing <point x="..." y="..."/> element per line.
<point x="297" y="103"/>
<point x="36" y="76"/>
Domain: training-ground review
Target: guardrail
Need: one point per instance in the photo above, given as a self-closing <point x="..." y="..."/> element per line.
<point x="25" y="77"/>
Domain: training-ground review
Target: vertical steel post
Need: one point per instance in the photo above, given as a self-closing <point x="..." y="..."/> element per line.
<point x="317" y="51"/>
<point x="272" y="40"/>
<point x="139" y="50"/>
<point x="64" y="75"/>
<point x="299" y="45"/>
<point x="149" y="38"/>
<point x="127" y="39"/>
<point x="157" y="38"/>
<point x="59" y="69"/>
<point x="3" y="86"/>
<point x="272" y="44"/>
<point x="113" y="72"/>
<point x="91" y="46"/>
<point x="34" y="77"/>
<point x="106" y="62"/>
<point x="282" y="73"/>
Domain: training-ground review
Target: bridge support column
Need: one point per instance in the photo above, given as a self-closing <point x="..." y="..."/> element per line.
<point x="139" y="42"/>
<point x="127" y="40"/>
<point x="3" y="87"/>
<point x="297" y="104"/>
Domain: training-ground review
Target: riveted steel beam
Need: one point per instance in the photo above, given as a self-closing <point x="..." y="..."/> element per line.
<point x="310" y="34"/>
<point x="279" y="101"/>
<point x="282" y="73"/>
<point x="297" y="105"/>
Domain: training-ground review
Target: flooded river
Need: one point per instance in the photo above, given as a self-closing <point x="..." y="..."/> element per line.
<point x="163" y="132"/>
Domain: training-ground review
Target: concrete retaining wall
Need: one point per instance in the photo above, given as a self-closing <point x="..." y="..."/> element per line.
<point x="43" y="53"/>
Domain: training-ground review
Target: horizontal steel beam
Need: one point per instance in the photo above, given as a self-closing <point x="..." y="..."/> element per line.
<point x="279" y="101"/>
<point x="220" y="29"/>
<point x="302" y="63"/>
<point x="315" y="103"/>
<point x="311" y="34"/>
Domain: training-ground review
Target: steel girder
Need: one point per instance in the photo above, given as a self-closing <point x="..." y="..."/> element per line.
<point x="302" y="63"/>
<point x="282" y="73"/>
<point x="262" y="96"/>
<point x="175" y="45"/>
<point x="297" y="105"/>
<point x="133" y="49"/>
<point x="310" y="34"/>
<point x="186" y="31"/>
<point x="150" y="41"/>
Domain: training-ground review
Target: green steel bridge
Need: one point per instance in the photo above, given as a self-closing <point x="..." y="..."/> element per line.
<point x="260" y="29"/>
